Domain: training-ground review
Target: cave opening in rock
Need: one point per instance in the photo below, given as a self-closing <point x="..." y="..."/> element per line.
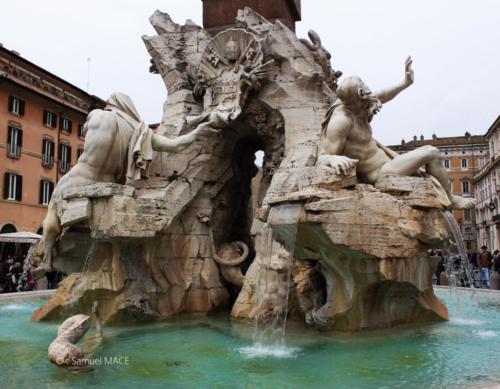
<point x="254" y="148"/>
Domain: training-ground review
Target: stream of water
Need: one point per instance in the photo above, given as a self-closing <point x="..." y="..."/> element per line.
<point x="273" y="286"/>
<point x="458" y="267"/>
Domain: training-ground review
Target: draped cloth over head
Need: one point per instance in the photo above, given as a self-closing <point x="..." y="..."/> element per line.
<point x="140" y="150"/>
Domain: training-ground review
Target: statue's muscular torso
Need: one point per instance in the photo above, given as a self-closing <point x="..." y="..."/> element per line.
<point x="353" y="137"/>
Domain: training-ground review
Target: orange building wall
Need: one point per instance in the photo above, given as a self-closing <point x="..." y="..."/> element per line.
<point x="28" y="214"/>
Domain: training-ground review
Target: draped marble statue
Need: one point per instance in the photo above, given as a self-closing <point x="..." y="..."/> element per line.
<point x="119" y="145"/>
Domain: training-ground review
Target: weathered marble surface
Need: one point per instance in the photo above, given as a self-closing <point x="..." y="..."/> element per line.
<point x="360" y="262"/>
<point x="145" y="251"/>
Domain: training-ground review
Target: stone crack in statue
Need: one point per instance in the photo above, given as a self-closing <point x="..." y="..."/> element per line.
<point x="119" y="145"/>
<point x="348" y="142"/>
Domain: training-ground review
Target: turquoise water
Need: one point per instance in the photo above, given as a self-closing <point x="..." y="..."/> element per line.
<point x="217" y="353"/>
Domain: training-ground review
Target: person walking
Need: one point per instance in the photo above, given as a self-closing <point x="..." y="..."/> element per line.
<point x="484" y="263"/>
<point x="495" y="271"/>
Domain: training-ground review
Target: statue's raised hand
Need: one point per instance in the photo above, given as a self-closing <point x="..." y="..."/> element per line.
<point x="341" y="164"/>
<point x="409" y="74"/>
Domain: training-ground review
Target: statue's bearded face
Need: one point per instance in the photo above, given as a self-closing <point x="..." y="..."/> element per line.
<point x="357" y="96"/>
<point x="232" y="51"/>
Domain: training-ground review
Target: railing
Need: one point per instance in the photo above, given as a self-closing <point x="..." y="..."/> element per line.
<point x="47" y="160"/>
<point x="13" y="150"/>
<point x="64" y="166"/>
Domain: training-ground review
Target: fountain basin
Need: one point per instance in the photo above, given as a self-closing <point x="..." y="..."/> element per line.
<point x="217" y="352"/>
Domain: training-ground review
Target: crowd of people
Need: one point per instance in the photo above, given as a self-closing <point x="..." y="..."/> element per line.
<point x="15" y="276"/>
<point x="484" y="266"/>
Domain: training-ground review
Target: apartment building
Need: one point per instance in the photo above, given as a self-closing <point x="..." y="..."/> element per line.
<point x="463" y="157"/>
<point x="487" y="185"/>
<point x="41" y="138"/>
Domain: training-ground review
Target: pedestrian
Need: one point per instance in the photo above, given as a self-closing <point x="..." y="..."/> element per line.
<point x="483" y="264"/>
<point x="440" y="268"/>
<point x="495" y="271"/>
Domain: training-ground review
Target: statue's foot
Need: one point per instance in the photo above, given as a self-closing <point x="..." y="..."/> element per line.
<point x="458" y="202"/>
<point x="40" y="271"/>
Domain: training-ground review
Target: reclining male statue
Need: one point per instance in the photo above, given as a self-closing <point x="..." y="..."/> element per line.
<point x="347" y="139"/>
<point x="118" y="145"/>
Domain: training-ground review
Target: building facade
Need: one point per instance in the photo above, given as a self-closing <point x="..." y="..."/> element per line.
<point x="463" y="157"/>
<point x="41" y="137"/>
<point x="487" y="185"/>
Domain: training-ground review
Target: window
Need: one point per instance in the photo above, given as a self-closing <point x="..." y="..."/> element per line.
<point x="464" y="163"/>
<point x="64" y="157"/>
<point x="46" y="189"/>
<point x="446" y="163"/>
<point x="14" y="141"/>
<point x="81" y="133"/>
<point x="16" y="106"/>
<point x="467" y="216"/>
<point x="12" y="186"/>
<point x="66" y="125"/>
<point x="49" y="119"/>
<point x="47" y="152"/>
<point x="465" y="187"/>
<point x="481" y="162"/>
<point x="79" y="152"/>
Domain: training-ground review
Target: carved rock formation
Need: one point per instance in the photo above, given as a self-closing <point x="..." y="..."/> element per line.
<point x="359" y="259"/>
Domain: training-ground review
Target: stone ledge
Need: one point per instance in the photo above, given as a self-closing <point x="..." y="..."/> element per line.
<point x="418" y="192"/>
<point x="26" y="295"/>
<point x="98" y="189"/>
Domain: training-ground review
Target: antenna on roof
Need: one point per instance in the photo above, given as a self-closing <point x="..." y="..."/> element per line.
<point x="88" y="74"/>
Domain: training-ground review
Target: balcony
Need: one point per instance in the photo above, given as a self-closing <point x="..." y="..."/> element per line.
<point x="64" y="166"/>
<point x="47" y="160"/>
<point x="13" y="150"/>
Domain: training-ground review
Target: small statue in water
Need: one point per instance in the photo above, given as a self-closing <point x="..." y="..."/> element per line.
<point x="64" y="353"/>
<point x="348" y="141"/>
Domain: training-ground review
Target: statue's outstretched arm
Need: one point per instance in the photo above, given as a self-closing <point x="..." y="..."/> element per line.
<point x="162" y="143"/>
<point x="386" y="95"/>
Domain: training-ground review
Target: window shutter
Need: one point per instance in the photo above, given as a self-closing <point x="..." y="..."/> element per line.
<point x="70" y="126"/>
<point x="51" y="190"/>
<point x="40" y="193"/>
<point x="59" y="151"/>
<point x="45" y="114"/>
<point x="6" y="185"/>
<point x="21" y="107"/>
<point x="19" y="188"/>
<point x="54" y="125"/>
<point x="11" y="103"/>
<point x="9" y="135"/>
<point x="19" y="137"/>
<point x="52" y="149"/>
<point x="69" y="155"/>
<point x="61" y="123"/>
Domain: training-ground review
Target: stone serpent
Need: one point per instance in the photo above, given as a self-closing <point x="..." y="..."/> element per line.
<point x="205" y="219"/>
<point x="63" y="352"/>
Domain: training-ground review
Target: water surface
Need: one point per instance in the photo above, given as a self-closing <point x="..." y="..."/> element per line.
<point x="217" y="353"/>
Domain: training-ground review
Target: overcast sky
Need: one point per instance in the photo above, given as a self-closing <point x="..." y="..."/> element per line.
<point x="455" y="45"/>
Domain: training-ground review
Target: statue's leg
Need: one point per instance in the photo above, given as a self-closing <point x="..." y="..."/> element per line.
<point x="408" y="164"/>
<point x="51" y="231"/>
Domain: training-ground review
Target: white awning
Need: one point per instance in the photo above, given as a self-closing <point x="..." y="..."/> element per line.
<point x="19" y="237"/>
